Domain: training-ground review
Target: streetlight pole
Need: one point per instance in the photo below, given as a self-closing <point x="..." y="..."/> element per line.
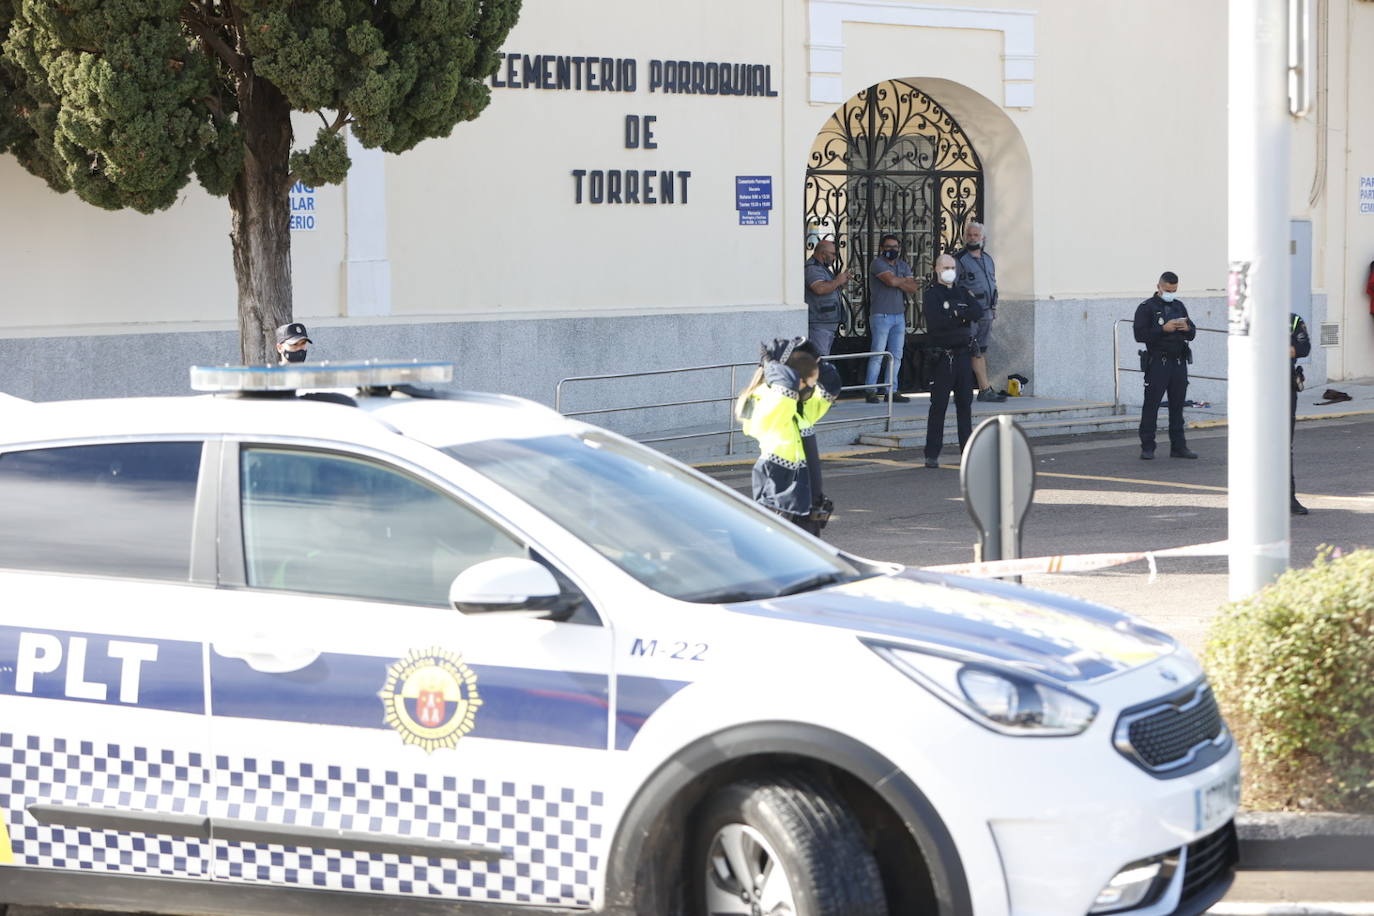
<point x="1258" y="293"/>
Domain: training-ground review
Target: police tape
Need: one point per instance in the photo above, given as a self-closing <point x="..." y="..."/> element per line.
<point x="1080" y="562"/>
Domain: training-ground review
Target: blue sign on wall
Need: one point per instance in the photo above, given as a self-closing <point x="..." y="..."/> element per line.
<point x="753" y="217"/>
<point x="754" y="192"/>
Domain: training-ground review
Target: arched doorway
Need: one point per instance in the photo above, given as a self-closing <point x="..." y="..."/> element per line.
<point x="890" y="160"/>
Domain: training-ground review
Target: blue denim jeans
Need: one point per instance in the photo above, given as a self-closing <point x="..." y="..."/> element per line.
<point x="889" y="333"/>
<point x="822" y="335"/>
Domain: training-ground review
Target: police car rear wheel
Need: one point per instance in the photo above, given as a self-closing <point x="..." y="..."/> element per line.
<point x="783" y="847"/>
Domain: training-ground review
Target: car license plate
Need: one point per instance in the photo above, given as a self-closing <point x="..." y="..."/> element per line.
<point x="1216" y="804"/>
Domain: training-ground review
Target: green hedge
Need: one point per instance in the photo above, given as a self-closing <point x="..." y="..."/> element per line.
<point x="1293" y="670"/>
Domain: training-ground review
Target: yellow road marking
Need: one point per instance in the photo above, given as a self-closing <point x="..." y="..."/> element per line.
<point x="1148" y="483"/>
<point x="897" y="463"/>
<point x="886" y="462"/>
<point x="1208" y="488"/>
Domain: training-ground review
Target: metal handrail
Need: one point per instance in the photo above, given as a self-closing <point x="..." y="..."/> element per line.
<point x="729" y="432"/>
<point x="1116" y="360"/>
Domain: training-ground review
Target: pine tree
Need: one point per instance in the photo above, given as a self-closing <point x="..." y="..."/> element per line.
<point x="122" y="101"/>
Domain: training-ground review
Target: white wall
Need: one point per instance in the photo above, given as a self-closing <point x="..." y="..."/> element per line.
<point x="69" y="265"/>
<point x="1108" y="168"/>
<point x="484" y="222"/>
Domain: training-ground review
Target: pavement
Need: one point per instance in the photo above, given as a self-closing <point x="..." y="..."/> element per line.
<point x="1093" y="494"/>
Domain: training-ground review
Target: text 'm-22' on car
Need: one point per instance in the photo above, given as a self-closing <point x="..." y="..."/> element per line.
<point x="285" y="648"/>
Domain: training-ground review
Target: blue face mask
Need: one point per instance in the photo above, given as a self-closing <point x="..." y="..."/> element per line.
<point x="1167" y="297"/>
<point x="890" y="253"/>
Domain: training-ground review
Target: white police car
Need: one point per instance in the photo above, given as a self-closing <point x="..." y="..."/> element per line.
<point x="406" y="653"/>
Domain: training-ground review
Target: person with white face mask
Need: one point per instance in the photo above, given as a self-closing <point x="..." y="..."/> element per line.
<point x="1163" y="326"/>
<point x="950" y="312"/>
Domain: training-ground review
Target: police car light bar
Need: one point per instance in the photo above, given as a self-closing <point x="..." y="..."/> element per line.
<point x="369" y="373"/>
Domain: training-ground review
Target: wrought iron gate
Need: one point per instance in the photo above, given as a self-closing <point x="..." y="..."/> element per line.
<point x="890" y="161"/>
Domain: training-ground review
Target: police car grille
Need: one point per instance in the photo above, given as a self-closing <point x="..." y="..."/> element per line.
<point x="1168" y="735"/>
<point x="1208" y="859"/>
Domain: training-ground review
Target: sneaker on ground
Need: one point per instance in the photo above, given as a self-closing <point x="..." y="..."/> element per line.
<point x="900" y="399"/>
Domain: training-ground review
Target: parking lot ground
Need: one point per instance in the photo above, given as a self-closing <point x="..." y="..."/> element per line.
<point x="1257" y="892"/>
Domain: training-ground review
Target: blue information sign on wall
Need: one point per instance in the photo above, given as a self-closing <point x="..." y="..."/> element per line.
<point x="753" y="192"/>
<point x="753" y="217"/>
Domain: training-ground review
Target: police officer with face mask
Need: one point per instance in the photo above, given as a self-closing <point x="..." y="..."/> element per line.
<point x="292" y="340"/>
<point x="950" y="312"/>
<point x="1163" y="326"/>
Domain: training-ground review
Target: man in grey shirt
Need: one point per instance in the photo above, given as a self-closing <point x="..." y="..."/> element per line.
<point x="823" y="296"/>
<point x="890" y="279"/>
<point x="978" y="275"/>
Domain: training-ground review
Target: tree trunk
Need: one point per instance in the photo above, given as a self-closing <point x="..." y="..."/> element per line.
<point x="261" y="234"/>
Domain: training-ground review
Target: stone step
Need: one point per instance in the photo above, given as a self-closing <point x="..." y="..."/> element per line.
<point x="1037" y="422"/>
<point x="1022" y="414"/>
<point x="851" y="422"/>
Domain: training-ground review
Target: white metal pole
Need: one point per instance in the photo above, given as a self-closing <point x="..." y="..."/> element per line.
<point x="1006" y="470"/>
<point x="1257" y="392"/>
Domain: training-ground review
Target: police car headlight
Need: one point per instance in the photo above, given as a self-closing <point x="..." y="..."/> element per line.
<point x="1002" y="699"/>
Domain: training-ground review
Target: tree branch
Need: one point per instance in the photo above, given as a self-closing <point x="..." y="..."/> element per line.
<point x="214" y="43"/>
<point x="340" y="122"/>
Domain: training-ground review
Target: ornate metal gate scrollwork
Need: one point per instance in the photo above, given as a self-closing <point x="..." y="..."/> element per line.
<point x="890" y="161"/>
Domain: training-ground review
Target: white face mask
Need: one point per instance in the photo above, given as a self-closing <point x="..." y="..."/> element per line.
<point x="947" y="276"/>
<point x="1167" y="297"/>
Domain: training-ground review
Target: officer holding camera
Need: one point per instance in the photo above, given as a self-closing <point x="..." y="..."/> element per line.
<point x="1163" y="326"/>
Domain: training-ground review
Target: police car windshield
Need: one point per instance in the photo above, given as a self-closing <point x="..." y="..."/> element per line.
<point x="671" y="531"/>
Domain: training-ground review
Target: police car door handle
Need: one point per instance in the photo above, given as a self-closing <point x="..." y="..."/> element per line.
<point x="265" y="654"/>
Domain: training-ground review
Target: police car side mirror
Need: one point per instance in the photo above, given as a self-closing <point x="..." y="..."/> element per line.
<point x="512" y="585"/>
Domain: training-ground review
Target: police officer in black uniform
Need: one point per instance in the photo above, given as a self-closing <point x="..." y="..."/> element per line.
<point x="292" y="339"/>
<point x="1299" y="347"/>
<point x="1163" y="326"/>
<point x="950" y="311"/>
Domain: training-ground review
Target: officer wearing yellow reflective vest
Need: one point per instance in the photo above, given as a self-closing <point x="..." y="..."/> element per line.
<point x="790" y="391"/>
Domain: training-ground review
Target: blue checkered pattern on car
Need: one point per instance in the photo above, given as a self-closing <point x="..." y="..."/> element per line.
<point x="549" y="834"/>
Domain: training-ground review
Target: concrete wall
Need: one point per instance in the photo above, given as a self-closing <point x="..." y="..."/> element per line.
<point x="1352" y="148"/>
<point x="485" y="221"/>
<point x="1101" y="128"/>
<point x="66" y="265"/>
<point x="521" y="357"/>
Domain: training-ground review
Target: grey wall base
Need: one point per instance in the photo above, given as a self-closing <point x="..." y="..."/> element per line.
<point x="1064" y="346"/>
<point x="521" y="357"/>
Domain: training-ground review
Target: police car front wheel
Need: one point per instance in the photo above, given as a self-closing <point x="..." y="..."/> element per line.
<point x="783" y="847"/>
